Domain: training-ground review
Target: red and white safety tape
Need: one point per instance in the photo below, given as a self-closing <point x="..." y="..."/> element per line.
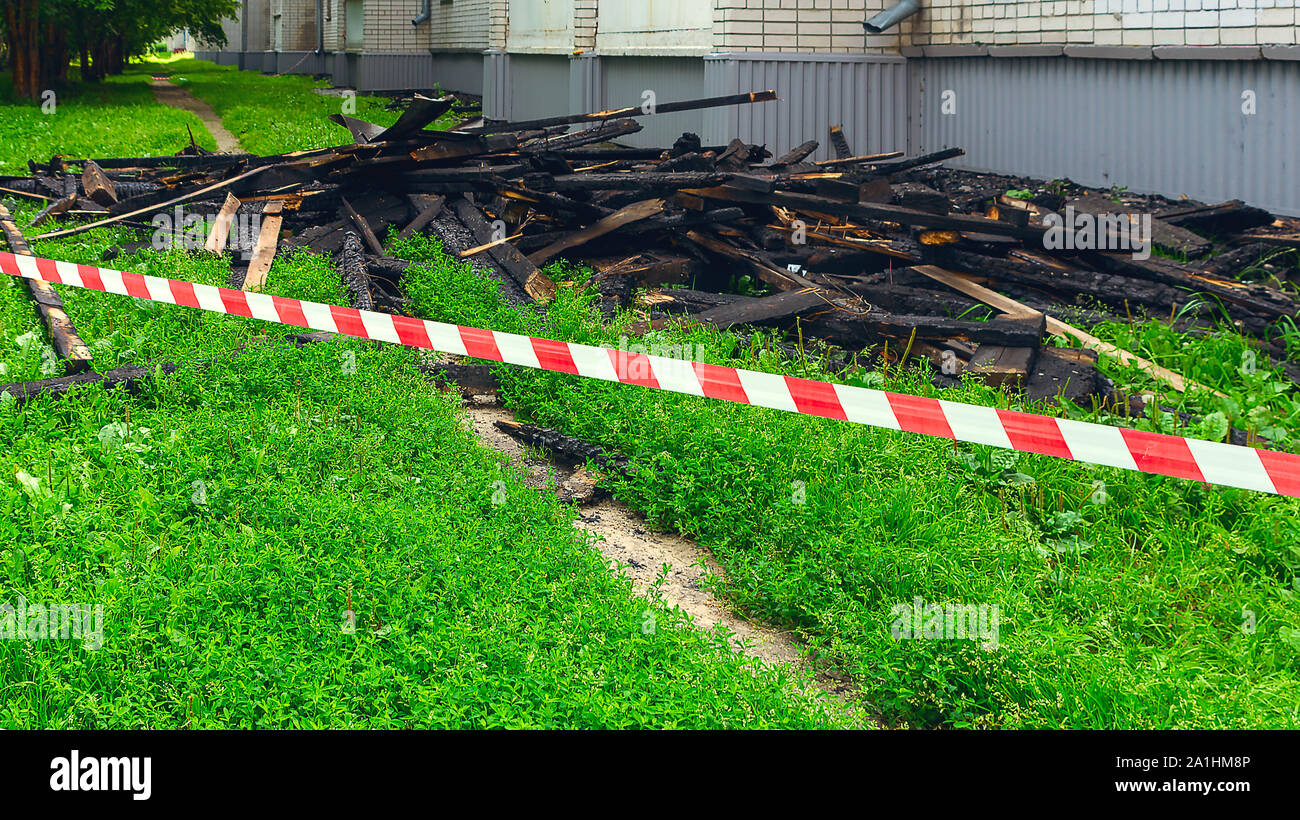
<point x="1206" y="461"/>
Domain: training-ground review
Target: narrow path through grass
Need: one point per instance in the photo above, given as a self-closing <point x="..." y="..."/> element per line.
<point x="170" y="94"/>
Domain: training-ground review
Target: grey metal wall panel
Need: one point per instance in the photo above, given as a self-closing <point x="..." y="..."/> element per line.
<point x="339" y="66"/>
<point x="394" y="72"/>
<point x="625" y="79"/>
<point x="586" y="84"/>
<point x="1170" y="127"/>
<point x="299" y="62"/>
<point x="496" y="85"/>
<point x="257" y="27"/>
<point x="538" y="86"/>
<point x="868" y="95"/>
<point x="459" y="72"/>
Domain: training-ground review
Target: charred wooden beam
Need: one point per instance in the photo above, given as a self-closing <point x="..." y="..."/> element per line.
<point x="840" y="143"/>
<point x="352" y="269"/>
<point x="600" y="133"/>
<point x="631" y="111"/>
<point x="651" y="181"/>
<point x="532" y="281"/>
<point x="67" y="345"/>
<point x="428" y="207"/>
<point x="363" y="226"/>
<point x="626" y="216"/>
<point x="216" y="241"/>
<point x="97" y="185"/>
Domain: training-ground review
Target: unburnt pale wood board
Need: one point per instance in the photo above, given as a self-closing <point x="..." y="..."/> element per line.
<point x="267" y="242"/>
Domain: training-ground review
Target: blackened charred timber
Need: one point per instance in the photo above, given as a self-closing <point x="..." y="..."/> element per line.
<point x="68" y="346"/>
<point x="573" y="450"/>
<point x="352" y="268"/>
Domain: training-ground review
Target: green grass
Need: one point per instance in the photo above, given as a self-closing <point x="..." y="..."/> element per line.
<point x="1126" y="600"/>
<point x="118" y="117"/>
<point x="330" y="473"/>
<point x="230" y="516"/>
<point x="1126" y="613"/>
<point x="272" y="115"/>
<point x="1258" y="397"/>
<point x="23" y="344"/>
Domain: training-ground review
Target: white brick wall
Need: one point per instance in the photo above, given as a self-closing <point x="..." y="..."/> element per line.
<point x="801" y="25"/>
<point x="1107" y="22"/>
<point x="388" y="26"/>
<point x="822" y="25"/>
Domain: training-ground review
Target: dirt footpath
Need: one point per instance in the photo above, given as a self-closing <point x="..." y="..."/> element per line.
<point x="168" y="93"/>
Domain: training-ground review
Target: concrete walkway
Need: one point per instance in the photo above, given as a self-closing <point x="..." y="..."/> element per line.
<point x="170" y="94"/>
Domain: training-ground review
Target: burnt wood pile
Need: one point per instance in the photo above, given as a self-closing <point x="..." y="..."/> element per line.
<point x="891" y="255"/>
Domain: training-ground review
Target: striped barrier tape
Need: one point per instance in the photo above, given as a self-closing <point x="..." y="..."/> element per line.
<point x="1205" y="461"/>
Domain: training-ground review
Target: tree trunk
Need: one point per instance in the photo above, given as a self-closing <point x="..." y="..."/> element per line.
<point x="117" y="63"/>
<point x="23" y="24"/>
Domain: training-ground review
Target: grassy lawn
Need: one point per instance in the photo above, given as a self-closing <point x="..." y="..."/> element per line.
<point x="1121" y="608"/>
<point x="1125" y="600"/>
<point x="272" y="115"/>
<point x="285" y="537"/>
<point x="118" y="117"/>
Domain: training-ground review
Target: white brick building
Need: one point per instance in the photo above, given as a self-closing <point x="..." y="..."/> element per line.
<point x="1145" y="93"/>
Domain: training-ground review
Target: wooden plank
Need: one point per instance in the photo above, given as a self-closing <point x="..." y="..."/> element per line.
<point x="216" y="242"/>
<point x="429" y="207"/>
<point x="631" y="111"/>
<point x="832" y="163"/>
<point x="796" y="155"/>
<point x="97" y="185"/>
<point x="363" y="226"/>
<point x="534" y="283"/>
<point x="68" y="346"/>
<point x="1167" y="237"/>
<point x="840" y="143"/>
<point x="362" y="132"/>
<point x="58" y="207"/>
<point x="1002" y="365"/>
<point x="635" y="212"/>
<point x="422" y="111"/>
<point x="477" y="249"/>
<point x="459" y="149"/>
<point x="808" y="203"/>
<point x="267" y="242"/>
<point x="776" y="277"/>
<point x="216" y="186"/>
<point x="1056" y="327"/>
<point x="768" y="308"/>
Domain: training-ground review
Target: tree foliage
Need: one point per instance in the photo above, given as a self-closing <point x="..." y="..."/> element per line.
<point x="43" y="36"/>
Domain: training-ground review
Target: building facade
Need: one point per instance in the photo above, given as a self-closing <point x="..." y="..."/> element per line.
<point x="1194" y="97"/>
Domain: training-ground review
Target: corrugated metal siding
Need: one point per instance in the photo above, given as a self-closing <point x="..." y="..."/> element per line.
<point x="395" y="72"/>
<point x="625" y="79"/>
<point x="1170" y="127"/>
<point x="496" y="85"/>
<point x="299" y="62"/>
<point x="459" y="72"/>
<point x="538" y="86"/>
<point x="420" y="72"/>
<point x="867" y="95"/>
<point x="586" y="84"/>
